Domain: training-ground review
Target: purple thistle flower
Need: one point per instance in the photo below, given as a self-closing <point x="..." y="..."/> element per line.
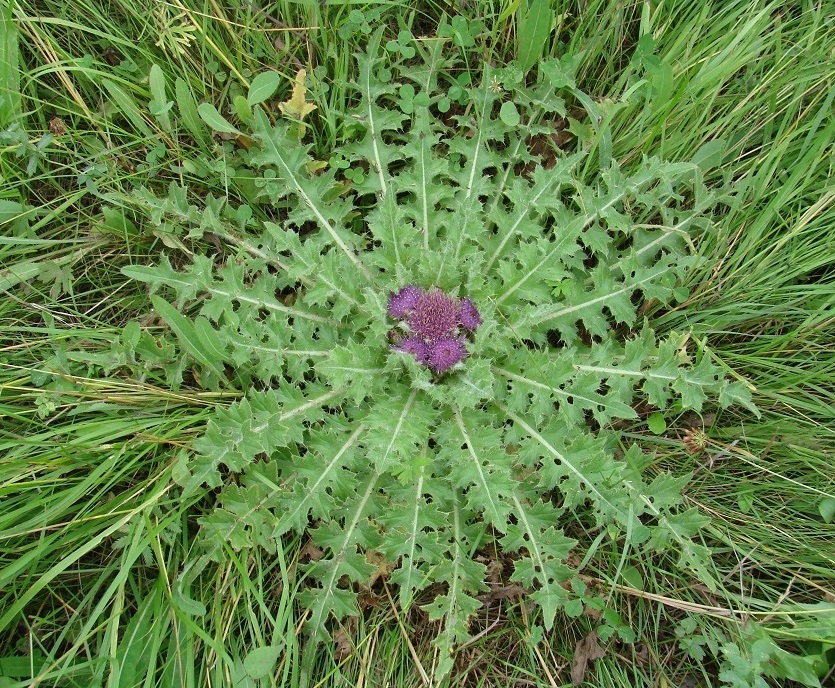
<point x="469" y="315"/>
<point x="445" y="353"/>
<point x="434" y="317"/>
<point x="415" y="346"/>
<point x="437" y="326"/>
<point x="404" y="301"/>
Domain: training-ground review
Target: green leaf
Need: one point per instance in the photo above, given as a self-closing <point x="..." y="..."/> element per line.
<point x="826" y="508"/>
<point x="479" y="468"/>
<point x="374" y="119"/>
<point x="353" y="365"/>
<point x="239" y="677"/>
<point x="242" y="108"/>
<point x="126" y="105"/>
<point x="547" y="548"/>
<point x="745" y="500"/>
<point x="397" y="429"/>
<point x="9" y="69"/>
<point x="183" y="601"/>
<point x="582" y="471"/>
<point x="710" y="154"/>
<point x="456" y="606"/>
<point x="13" y="211"/>
<point x="320" y="471"/>
<point x="256" y="425"/>
<point x="290" y="160"/>
<point x="663" y="81"/>
<point x="13" y="275"/>
<point x="416" y="524"/>
<point x="737" y="392"/>
<point x="135" y="646"/>
<point x="263" y="86"/>
<point x="534" y="27"/>
<point x="632" y="577"/>
<point x="187" y="106"/>
<point x="20" y="667"/>
<point x="509" y="114"/>
<point x="261" y="661"/>
<point x="209" y="114"/>
<point x="657" y="423"/>
<point x="194" y="338"/>
<point x="346" y="561"/>
<point x="561" y="72"/>
<point x="572" y="608"/>
<point x="160" y="103"/>
<point x="529" y="200"/>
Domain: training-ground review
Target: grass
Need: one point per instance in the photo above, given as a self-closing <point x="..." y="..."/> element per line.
<point x="96" y="560"/>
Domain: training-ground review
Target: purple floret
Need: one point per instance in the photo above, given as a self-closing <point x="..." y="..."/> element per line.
<point x="414" y="346"/>
<point x="469" y="315"/>
<point x="434" y="317"/>
<point x="404" y="301"/>
<point x="445" y="353"/>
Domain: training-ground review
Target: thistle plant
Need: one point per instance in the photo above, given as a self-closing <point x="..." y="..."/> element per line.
<point x="434" y="340"/>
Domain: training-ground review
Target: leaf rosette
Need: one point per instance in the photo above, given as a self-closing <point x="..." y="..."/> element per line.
<point x="434" y="355"/>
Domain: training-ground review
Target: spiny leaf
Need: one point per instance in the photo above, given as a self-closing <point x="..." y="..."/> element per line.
<point x="547" y="548"/>
<point x="457" y="605"/>
<point x="374" y="119"/>
<point x="416" y="525"/>
<point x="354" y="366"/>
<point x="396" y="429"/>
<point x="289" y="160"/>
<point x="588" y="473"/>
<point x="480" y="467"/>
<point x="526" y="199"/>
<point x="319" y="472"/>
<point x="345" y="560"/>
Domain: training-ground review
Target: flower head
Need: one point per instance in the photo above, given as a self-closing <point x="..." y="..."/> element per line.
<point x="445" y="353"/>
<point x="434" y="316"/>
<point x="404" y="301"/>
<point x="436" y="327"/>
<point x="415" y="346"/>
<point x="469" y="315"/>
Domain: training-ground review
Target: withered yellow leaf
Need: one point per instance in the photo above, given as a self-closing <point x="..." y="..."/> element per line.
<point x="298" y="107"/>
